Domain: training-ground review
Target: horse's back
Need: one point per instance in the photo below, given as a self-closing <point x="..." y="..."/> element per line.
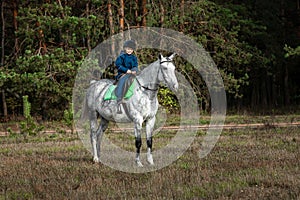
<point x="96" y="90"/>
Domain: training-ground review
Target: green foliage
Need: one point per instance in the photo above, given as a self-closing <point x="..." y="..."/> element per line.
<point x="245" y="40"/>
<point x="290" y="52"/>
<point x="223" y="31"/>
<point x="28" y="126"/>
<point x="49" y="75"/>
<point x="12" y="134"/>
<point x="68" y="117"/>
<point x="26" y="107"/>
<point x="168" y="100"/>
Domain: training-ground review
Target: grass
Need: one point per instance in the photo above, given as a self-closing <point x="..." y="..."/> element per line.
<point x="244" y="164"/>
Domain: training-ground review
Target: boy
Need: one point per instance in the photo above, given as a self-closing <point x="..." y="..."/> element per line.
<point x="127" y="65"/>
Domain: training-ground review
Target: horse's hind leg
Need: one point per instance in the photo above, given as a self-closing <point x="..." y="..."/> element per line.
<point x="93" y="135"/>
<point x="96" y="135"/>
<point x="103" y="126"/>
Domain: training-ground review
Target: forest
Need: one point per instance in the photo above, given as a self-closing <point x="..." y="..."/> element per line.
<point x="254" y="43"/>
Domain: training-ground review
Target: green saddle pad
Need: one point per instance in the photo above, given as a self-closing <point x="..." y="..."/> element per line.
<point x="110" y="92"/>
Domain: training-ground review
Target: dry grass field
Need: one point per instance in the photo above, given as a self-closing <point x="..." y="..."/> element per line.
<point x="245" y="164"/>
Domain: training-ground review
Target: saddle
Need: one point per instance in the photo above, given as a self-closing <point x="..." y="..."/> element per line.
<point x="127" y="89"/>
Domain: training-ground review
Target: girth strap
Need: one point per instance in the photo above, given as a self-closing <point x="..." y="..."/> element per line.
<point x="127" y="111"/>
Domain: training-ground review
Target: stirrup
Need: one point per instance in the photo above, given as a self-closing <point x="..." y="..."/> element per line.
<point x="119" y="109"/>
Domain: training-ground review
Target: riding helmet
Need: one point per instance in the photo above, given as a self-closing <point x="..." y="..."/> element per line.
<point x="130" y="43"/>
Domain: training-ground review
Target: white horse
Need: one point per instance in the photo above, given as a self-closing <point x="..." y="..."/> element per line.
<point x="141" y="107"/>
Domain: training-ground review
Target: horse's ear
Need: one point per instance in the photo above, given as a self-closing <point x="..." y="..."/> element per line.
<point x="160" y="56"/>
<point x="172" y="56"/>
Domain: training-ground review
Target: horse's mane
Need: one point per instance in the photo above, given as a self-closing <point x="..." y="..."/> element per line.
<point x="145" y="66"/>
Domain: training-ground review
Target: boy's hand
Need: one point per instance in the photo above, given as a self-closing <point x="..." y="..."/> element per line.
<point x="130" y="72"/>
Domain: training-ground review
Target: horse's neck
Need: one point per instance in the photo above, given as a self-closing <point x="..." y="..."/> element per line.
<point x="149" y="77"/>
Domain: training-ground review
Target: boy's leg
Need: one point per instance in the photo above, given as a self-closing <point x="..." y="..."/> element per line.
<point x="119" y="91"/>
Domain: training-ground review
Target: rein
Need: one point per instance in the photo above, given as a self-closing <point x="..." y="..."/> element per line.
<point x="146" y="87"/>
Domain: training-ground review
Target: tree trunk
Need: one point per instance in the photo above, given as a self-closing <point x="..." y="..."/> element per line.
<point x="2" y="59"/>
<point x="264" y="92"/>
<point x="136" y="13"/>
<point x="15" y="23"/>
<point x="3" y="34"/>
<point x="285" y="70"/>
<point x="161" y="21"/>
<point x="182" y="15"/>
<point x="286" y="86"/>
<point x="111" y="26"/>
<point x="110" y="19"/>
<point x="255" y="96"/>
<point x="121" y="15"/>
<point x="42" y="44"/>
<point x="4" y="104"/>
<point x="162" y="14"/>
<point x="274" y="92"/>
<point x="144" y="13"/>
<point x="88" y="35"/>
<point x="62" y="12"/>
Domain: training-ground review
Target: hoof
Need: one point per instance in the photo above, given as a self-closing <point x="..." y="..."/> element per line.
<point x="96" y="160"/>
<point x="150" y="162"/>
<point x="139" y="164"/>
<point x="150" y="159"/>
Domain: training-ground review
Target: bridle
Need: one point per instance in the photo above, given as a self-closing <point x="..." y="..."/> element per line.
<point x="157" y="85"/>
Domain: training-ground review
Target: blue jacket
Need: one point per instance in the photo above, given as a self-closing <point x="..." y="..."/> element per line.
<point x="125" y="62"/>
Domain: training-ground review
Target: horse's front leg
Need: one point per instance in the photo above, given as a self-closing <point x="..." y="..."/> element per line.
<point x="138" y="141"/>
<point x="149" y="129"/>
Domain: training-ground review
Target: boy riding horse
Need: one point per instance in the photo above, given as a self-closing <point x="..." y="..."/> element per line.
<point x="127" y="66"/>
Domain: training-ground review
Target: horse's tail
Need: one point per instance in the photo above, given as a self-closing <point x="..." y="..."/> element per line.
<point x="84" y="112"/>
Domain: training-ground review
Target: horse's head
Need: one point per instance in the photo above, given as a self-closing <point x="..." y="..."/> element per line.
<point x="167" y="72"/>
